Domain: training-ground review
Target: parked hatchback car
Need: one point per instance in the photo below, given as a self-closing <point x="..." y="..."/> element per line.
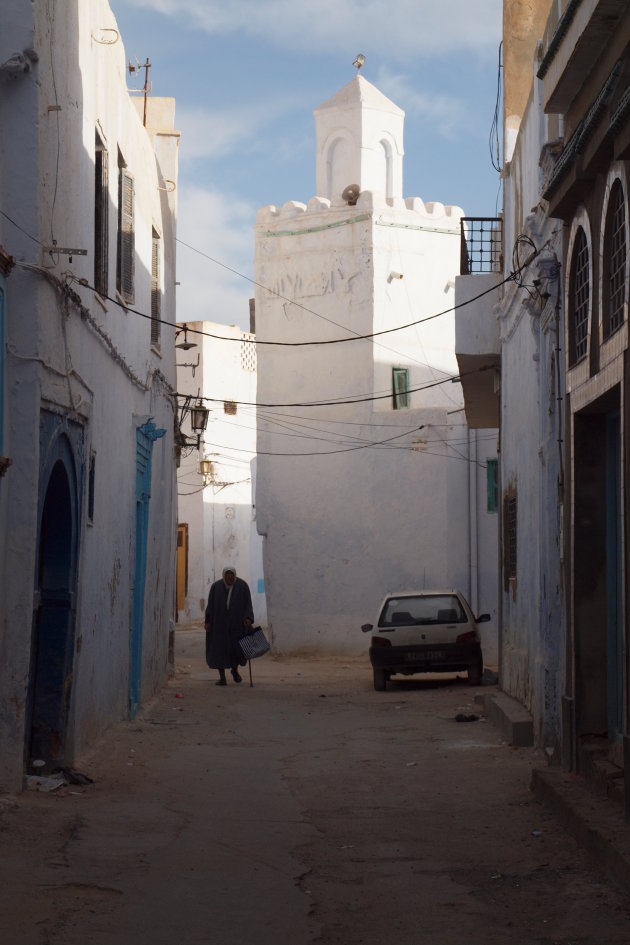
<point x="425" y="632"/>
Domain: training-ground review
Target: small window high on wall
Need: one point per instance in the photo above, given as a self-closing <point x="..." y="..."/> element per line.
<point x="400" y="383"/>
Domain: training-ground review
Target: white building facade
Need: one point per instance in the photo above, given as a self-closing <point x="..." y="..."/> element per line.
<point x="216" y="524"/>
<point x="369" y="480"/>
<point x="88" y="491"/>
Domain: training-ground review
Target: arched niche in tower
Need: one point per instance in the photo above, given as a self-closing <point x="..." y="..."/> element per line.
<point x="340" y="163"/>
<point x="385" y="165"/>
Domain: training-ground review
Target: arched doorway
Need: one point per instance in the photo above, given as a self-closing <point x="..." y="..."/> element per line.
<point x="54" y="615"/>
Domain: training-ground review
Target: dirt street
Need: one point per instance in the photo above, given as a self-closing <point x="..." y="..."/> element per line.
<point x="307" y="809"/>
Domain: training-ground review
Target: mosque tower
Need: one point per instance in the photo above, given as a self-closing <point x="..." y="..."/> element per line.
<point x="359" y="141"/>
<point x="337" y="278"/>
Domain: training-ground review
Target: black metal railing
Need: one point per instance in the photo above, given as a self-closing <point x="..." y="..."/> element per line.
<point x="481" y="245"/>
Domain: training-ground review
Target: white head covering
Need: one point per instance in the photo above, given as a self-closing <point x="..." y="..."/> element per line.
<point x="229" y="568"/>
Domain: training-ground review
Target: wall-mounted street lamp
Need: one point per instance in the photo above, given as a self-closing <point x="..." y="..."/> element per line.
<point x="185" y="344"/>
<point x="206" y="470"/>
<point x="195" y="408"/>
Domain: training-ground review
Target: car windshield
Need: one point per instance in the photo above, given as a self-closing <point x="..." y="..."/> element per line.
<point x="429" y="609"/>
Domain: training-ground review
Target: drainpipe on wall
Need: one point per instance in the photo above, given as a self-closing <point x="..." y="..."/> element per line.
<point x="473" y="526"/>
<point x="7" y="263"/>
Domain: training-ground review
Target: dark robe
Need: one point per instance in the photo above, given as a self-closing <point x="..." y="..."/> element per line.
<point x="227" y="626"/>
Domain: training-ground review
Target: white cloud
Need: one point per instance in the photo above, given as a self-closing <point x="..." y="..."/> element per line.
<point x="217" y="132"/>
<point x="222" y="228"/>
<point x="399" y="31"/>
<point x="214" y="132"/>
<point x="444" y="112"/>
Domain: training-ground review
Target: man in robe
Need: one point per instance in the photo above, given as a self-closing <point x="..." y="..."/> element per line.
<point x="229" y="614"/>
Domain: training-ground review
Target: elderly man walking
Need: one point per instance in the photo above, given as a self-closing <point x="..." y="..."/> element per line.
<point x="228" y="615"/>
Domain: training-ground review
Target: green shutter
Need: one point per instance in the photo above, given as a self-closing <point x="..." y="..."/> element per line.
<point x="492" y="469"/>
<point x="400" y="384"/>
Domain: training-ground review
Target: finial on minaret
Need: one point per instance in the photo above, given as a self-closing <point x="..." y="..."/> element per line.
<point x="359" y="61"/>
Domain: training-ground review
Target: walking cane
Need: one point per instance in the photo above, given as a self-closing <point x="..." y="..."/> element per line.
<point x="251" y="685"/>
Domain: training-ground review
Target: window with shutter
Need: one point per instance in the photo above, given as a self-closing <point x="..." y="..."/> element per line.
<point x="400" y="383"/>
<point x="492" y="468"/>
<point x="126" y="237"/>
<point x="156" y="290"/>
<point x="101" y="219"/>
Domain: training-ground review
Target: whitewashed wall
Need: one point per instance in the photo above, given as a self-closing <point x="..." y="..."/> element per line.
<point x="220" y="516"/>
<point x="533" y="607"/>
<point x="342" y="529"/>
<point x="87" y="360"/>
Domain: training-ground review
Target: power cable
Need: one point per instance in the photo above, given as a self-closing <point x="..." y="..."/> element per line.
<point x="494" y="129"/>
<point x="20" y="228"/>
<point x="341" y="402"/>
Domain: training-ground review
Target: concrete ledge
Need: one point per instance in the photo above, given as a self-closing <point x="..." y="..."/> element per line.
<point x="597" y="823"/>
<point x="513" y="720"/>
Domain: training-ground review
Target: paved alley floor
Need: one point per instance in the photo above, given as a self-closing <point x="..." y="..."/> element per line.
<point x="305" y="809"/>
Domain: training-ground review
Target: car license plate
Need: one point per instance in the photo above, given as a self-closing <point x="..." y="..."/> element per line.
<point x="426" y="656"/>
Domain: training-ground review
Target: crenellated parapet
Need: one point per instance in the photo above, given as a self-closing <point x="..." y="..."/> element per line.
<point x="295" y="217"/>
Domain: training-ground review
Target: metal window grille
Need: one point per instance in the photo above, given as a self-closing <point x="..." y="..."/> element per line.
<point x="580" y="297"/>
<point x="400" y="378"/>
<point x="101" y="220"/>
<point x="156" y="290"/>
<point x="616" y="258"/>
<point x="481" y="245"/>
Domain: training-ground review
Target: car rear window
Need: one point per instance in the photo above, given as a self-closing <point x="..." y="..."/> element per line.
<point x="410" y="611"/>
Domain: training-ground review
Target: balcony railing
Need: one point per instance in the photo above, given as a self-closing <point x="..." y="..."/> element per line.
<point x="481" y="245"/>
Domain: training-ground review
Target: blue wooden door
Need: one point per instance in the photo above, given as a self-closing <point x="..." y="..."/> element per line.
<point x="145" y="435"/>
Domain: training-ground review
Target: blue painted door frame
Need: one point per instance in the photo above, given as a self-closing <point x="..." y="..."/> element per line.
<point x="61" y="446"/>
<point x="145" y="437"/>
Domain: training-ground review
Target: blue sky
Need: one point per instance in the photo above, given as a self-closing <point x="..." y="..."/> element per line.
<point x="247" y="75"/>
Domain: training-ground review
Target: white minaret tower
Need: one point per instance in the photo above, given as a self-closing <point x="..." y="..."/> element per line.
<point x="359" y="141"/>
<point x="356" y="488"/>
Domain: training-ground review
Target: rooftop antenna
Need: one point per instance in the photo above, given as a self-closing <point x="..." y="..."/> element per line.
<point x="147" y="86"/>
<point x="358" y="62"/>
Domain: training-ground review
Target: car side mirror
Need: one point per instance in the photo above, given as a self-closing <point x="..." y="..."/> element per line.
<point x="367" y="627"/>
<point x="483" y="618"/>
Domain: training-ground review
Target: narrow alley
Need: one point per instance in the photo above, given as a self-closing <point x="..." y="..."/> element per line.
<point x="305" y="809"/>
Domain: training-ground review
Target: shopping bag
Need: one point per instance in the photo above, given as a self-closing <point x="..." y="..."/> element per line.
<point x="254" y="643"/>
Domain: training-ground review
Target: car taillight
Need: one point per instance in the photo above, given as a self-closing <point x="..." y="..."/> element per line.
<point x="469" y="637"/>
<point x="381" y="641"/>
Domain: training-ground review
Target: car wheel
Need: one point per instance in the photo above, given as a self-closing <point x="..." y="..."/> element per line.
<point x="475" y="672"/>
<point x="380" y="680"/>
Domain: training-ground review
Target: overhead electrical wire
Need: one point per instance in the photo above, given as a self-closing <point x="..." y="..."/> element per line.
<point x="332" y="437"/>
<point x="494" y="138"/>
<point x="339" y="402"/>
<point x="257" y="341"/>
<point x="20" y="228"/>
